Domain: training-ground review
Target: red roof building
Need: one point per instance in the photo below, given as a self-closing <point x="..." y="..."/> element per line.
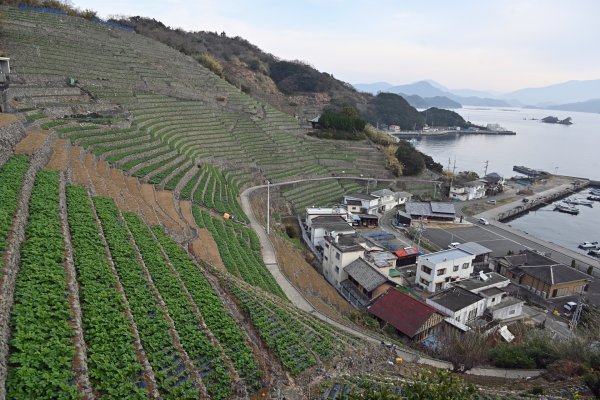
<point x="406" y="256"/>
<point x="410" y="317"/>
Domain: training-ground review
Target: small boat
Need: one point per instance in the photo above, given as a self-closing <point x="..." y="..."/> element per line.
<point x="595" y="192"/>
<point x="588" y="245"/>
<point x="581" y="202"/>
<point x="566" y="209"/>
<point x="593" y="198"/>
<point x="594" y="253"/>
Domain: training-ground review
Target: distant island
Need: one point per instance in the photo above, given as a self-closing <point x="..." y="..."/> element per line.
<point x="555" y="120"/>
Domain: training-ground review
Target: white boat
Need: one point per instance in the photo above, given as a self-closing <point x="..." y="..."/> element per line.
<point x="588" y="245"/>
<point x="566" y="209"/>
<point x="581" y="202"/>
<point x="594" y="197"/>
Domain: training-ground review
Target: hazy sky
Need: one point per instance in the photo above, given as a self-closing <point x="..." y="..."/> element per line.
<point x="499" y="45"/>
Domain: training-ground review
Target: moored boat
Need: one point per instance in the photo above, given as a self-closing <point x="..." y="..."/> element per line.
<point x="593" y="197"/>
<point x="588" y="245"/>
<point x="566" y="209"/>
<point x="581" y="202"/>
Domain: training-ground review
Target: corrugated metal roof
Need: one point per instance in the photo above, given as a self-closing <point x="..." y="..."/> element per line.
<point x="474" y="248"/>
<point x="442" y="208"/>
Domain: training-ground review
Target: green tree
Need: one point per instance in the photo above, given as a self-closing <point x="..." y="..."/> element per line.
<point x="441" y="385"/>
<point x="410" y="158"/>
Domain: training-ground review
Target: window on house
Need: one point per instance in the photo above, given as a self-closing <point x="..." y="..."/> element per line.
<point x="455" y="268"/>
<point x="425" y="282"/>
<point x="465" y="265"/>
<point x="511" y="312"/>
<point x="337" y="256"/>
<point x="337" y="270"/>
<point x="472" y="314"/>
<point x="442" y="271"/>
<point x="425" y="269"/>
<point x="325" y="257"/>
<point x="493" y="299"/>
<point x="326" y="245"/>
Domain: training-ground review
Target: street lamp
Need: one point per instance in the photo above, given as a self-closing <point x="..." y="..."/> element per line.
<point x="268" y="203"/>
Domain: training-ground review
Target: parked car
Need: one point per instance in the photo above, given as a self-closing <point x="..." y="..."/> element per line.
<point x="453" y="245"/>
<point x="491" y="201"/>
<point x="570" y="306"/>
<point x="525" y="200"/>
<point x="483" y="221"/>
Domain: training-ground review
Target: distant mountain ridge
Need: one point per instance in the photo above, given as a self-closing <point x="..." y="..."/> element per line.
<point x="573" y="95"/>
<point x="427" y="89"/>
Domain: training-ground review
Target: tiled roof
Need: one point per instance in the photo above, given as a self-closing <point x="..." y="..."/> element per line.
<point x="364" y="274"/>
<point x="432" y="209"/>
<point x="554" y="274"/>
<point x="402" y="311"/>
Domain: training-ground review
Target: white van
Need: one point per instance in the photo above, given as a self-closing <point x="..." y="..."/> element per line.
<point x="570" y="306"/>
<point x="483" y="221"/>
<point x="453" y="245"/>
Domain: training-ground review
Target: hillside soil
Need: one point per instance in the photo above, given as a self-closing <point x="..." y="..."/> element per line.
<point x="32" y="142"/>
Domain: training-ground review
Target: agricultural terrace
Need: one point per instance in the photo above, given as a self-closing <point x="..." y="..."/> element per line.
<point x="175" y="115"/>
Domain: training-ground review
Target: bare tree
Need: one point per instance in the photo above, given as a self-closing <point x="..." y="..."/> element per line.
<point x="464" y="350"/>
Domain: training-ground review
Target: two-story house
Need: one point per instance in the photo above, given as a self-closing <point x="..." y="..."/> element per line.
<point x="436" y="271"/>
<point x="360" y="203"/>
<point x="321" y="226"/>
<point x="467" y="191"/>
<point x="338" y="252"/>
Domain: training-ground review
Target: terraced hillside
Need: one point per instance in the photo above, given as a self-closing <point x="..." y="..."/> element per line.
<point x="97" y="304"/>
<point x="163" y="115"/>
<point x="101" y="184"/>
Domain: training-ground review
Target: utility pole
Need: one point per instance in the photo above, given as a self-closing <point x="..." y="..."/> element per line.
<point x="486" y="167"/>
<point x="452" y="177"/>
<point x="576" y="315"/>
<point x="268" y="204"/>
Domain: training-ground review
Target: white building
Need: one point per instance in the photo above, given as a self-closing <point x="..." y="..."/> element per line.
<point x="388" y="199"/>
<point x="338" y="252"/>
<point x="436" y="271"/>
<point x="320" y="226"/>
<point x="468" y="190"/>
<point x="497" y="302"/>
<point x="459" y="304"/>
<point x="361" y="203"/>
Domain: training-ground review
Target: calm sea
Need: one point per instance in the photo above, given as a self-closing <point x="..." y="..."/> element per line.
<point x="567" y="150"/>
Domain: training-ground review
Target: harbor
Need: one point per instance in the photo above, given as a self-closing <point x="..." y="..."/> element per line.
<point x="448" y="132"/>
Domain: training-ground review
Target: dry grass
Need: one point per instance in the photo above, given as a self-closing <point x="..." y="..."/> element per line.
<point x="31" y="142"/>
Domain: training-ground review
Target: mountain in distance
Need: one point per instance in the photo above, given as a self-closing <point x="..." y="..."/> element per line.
<point x="373" y="88"/>
<point x="430" y="89"/>
<point x="589" y="106"/>
<point x="560" y="93"/>
<point x="427" y="102"/>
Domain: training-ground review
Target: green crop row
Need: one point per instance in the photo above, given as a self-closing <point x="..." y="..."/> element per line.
<point x="205" y="357"/>
<point x="218" y="320"/>
<point x="42" y="351"/>
<point x="132" y="163"/>
<point x="116" y="157"/>
<point x="152" y="167"/>
<point x="238" y="252"/>
<point x="113" y="367"/>
<point x="11" y="176"/>
<point x="150" y="321"/>
<point x="281" y="338"/>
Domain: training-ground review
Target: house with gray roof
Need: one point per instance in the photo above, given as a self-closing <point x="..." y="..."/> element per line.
<point x="458" y="303"/>
<point x="389" y="199"/>
<point x="542" y="275"/>
<point x="368" y="203"/>
<point x="320" y="226"/>
<point x="431" y="211"/>
<point x="364" y="283"/>
<point x="467" y="190"/>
